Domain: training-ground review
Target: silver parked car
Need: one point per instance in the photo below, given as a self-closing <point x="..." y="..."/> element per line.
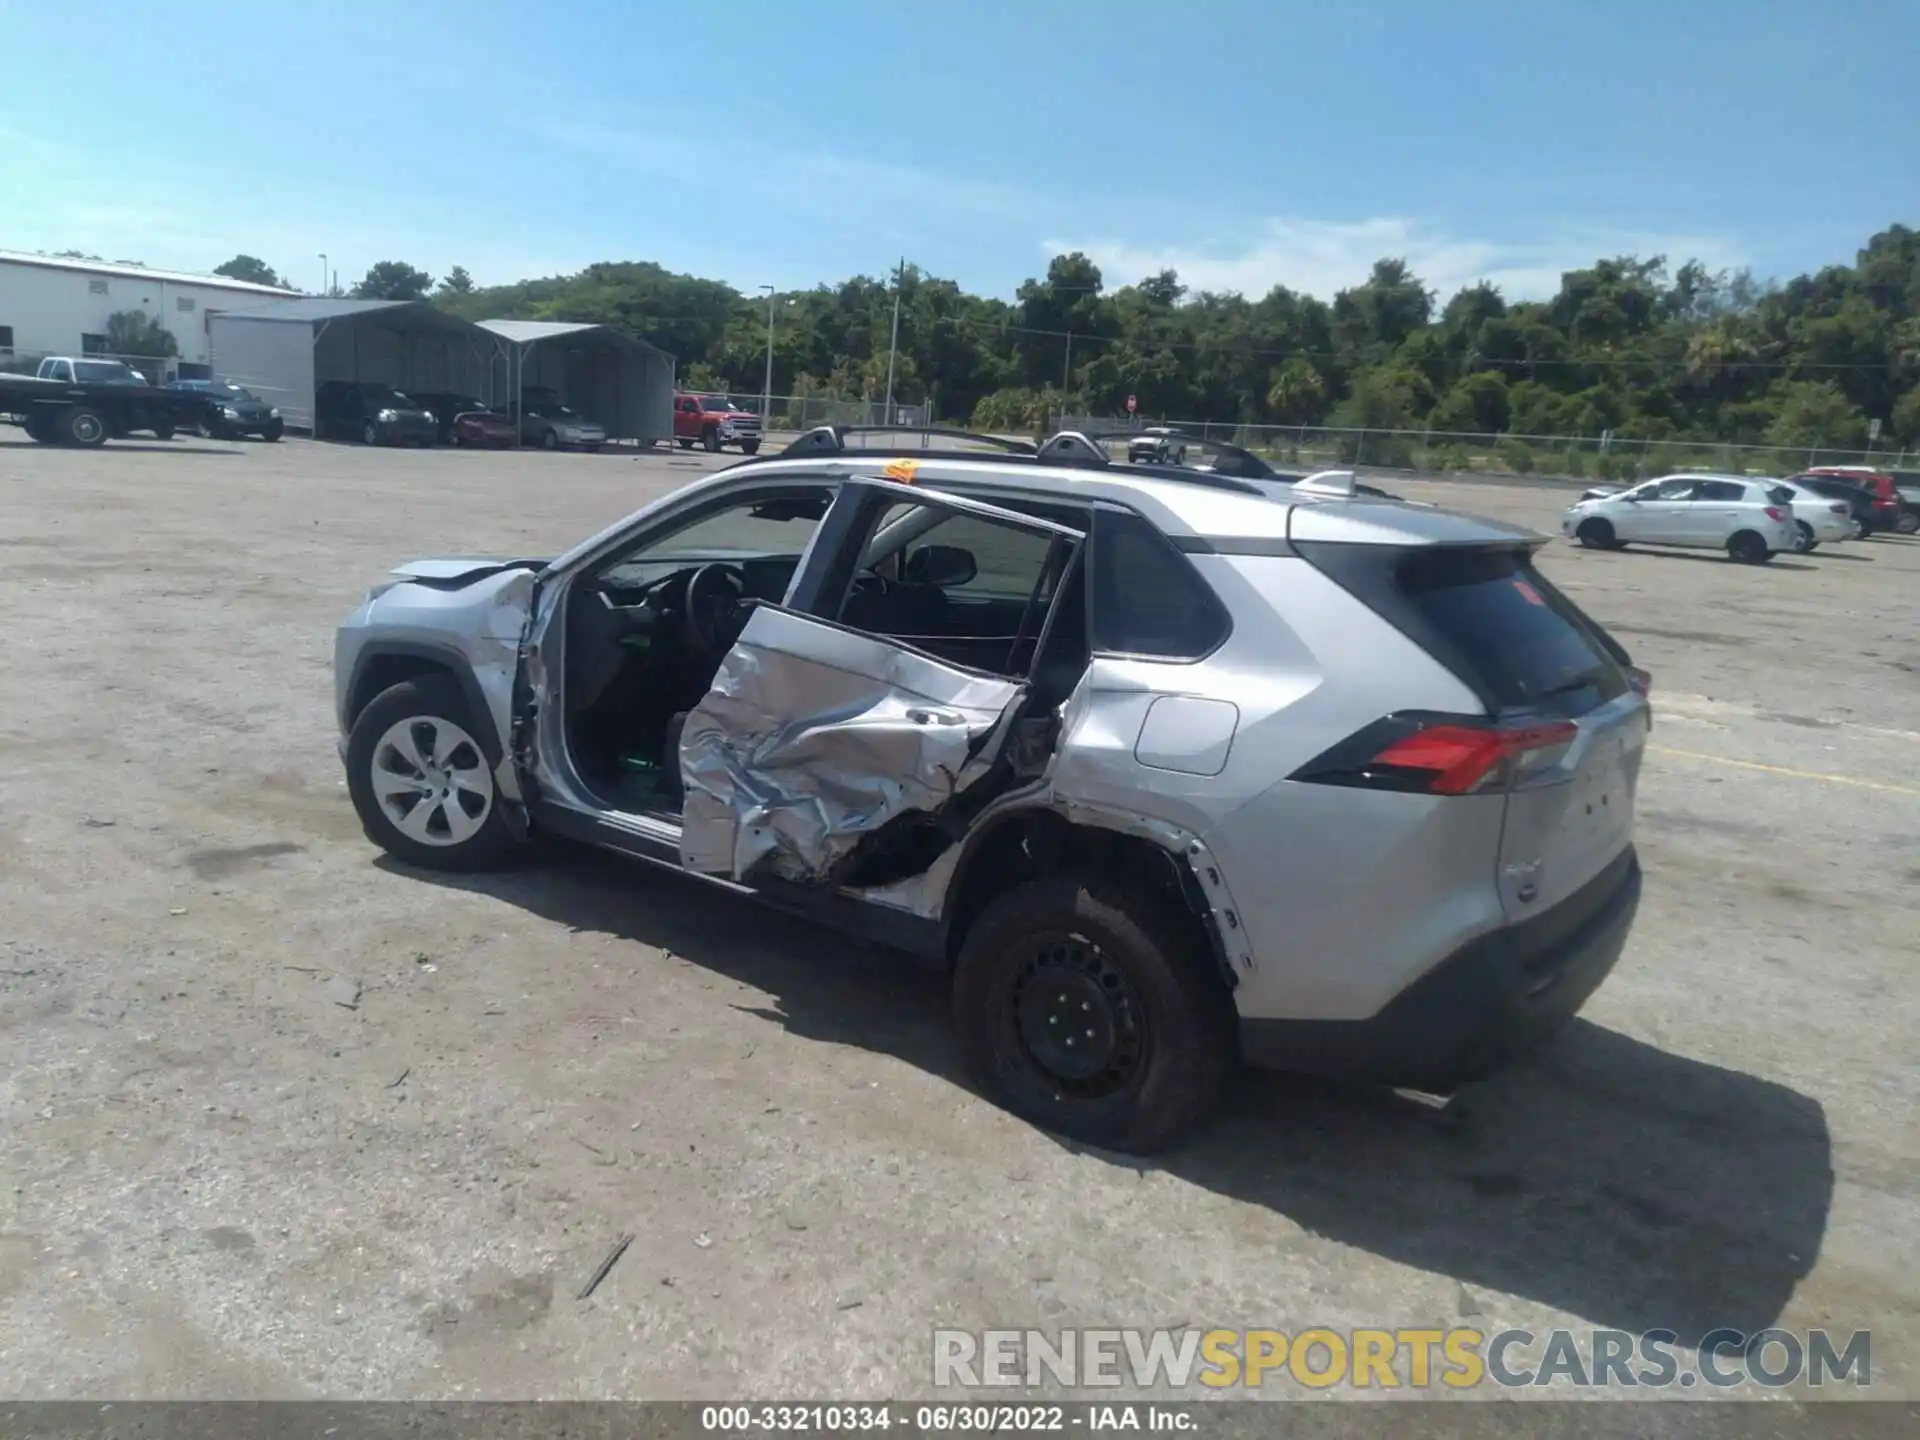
<point x="1751" y="520"/>
<point x="1164" y="769"/>
<point x="554" y="426"/>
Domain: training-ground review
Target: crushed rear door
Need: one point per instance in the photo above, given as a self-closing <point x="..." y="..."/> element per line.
<point x="817" y="733"/>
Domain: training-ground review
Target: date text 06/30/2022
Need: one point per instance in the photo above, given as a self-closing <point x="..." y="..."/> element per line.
<point x="751" y="1419"/>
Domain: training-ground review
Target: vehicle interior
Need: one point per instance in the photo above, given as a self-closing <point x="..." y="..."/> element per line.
<point x="647" y="632"/>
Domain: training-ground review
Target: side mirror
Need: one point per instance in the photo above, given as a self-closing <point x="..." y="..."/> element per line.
<point x="940" y="565"/>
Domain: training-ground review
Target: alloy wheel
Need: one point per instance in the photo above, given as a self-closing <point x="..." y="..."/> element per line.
<point x="432" y="781"/>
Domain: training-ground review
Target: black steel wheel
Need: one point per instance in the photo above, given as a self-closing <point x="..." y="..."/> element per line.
<point x="1093" y="1012"/>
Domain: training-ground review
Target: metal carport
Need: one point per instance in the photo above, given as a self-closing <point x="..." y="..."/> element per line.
<point x="283" y="352"/>
<point x="623" y="383"/>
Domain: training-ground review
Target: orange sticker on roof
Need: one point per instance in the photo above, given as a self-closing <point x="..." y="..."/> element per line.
<point x="1528" y="593"/>
<point x="901" y="470"/>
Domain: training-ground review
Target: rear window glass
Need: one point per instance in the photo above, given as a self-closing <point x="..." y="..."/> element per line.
<point x="1147" y="599"/>
<point x="1520" y="640"/>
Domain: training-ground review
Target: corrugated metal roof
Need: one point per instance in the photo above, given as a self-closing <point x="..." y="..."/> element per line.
<point x="529" y="332"/>
<point x="312" y="308"/>
<point x="139" y="272"/>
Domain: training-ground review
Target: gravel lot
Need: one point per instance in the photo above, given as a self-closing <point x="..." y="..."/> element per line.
<point x="216" y="1179"/>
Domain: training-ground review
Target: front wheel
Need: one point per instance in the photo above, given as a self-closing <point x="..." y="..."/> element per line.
<point x="711" y="439"/>
<point x="1749" y="549"/>
<point x="273" y="431"/>
<point x="420" y="780"/>
<point x="1596" y="534"/>
<point x="84" y="426"/>
<point x="370" y="433"/>
<point x="551" y="439"/>
<point x="1092" y="1012"/>
<point x="163" y="432"/>
<point x="683" y="442"/>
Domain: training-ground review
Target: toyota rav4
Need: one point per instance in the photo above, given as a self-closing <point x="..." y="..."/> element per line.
<point x="1165" y="769"/>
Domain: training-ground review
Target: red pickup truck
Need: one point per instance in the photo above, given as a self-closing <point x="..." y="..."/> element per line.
<point x="714" y="421"/>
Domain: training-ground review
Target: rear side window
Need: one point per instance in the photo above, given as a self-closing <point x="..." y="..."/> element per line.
<point x="1722" y="490"/>
<point x="1147" y="598"/>
<point x="1489" y="617"/>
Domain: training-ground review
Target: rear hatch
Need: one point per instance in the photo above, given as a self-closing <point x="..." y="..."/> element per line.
<point x="1565" y="722"/>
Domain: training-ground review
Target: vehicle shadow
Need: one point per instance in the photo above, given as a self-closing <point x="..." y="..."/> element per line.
<point x="1629" y="1186"/>
<point x="1777" y="563"/>
<point x="120" y="447"/>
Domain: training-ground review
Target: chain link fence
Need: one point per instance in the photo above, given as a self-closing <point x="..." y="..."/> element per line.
<point x="1572" y="457"/>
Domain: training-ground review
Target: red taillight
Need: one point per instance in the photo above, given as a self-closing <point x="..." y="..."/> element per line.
<point x="1439" y="755"/>
<point x="1837" y="508"/>
<point x="1774" y="512"/>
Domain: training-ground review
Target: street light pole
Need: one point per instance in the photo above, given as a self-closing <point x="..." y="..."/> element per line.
<point x="766" y="394"/>
<point x="893" y="345"/>
<point x="323" y="272"/>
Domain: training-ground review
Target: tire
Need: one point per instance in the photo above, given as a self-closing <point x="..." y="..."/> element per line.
<point x="82" y="425"/>
<point x="551" y="440"/>
<point x="1749" y="549"/>
<point x="684" y="444"/>
<point x="370" y="434"/>
<point x="710" y="438"/>
<point x="460" y="826"/>
<point x="36" y="430"/>
<point x="749" y="447"/>
<point x="1807" y="543"/>
<point x="1908" y="523"/>
<point x="163" y="432"/>
<point x="1169" y="1037"/>
<point x="1596" y="534"/>
<point x="274" y="431"/>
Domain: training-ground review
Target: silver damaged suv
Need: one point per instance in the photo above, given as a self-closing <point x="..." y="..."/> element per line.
<point x="1167" y="768"/>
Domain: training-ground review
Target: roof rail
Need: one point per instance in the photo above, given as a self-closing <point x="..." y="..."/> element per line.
<point x="1234" y="460"/>
<point x="832" y="439"/>
<point x="1070" y="447"/>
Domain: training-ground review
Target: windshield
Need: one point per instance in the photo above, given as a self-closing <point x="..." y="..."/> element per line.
<point x="230" y="392"/>
<point x="105" y="372"/>
<point x="717" y="402"/>
<point x="555" y="412"/>
<point x="394" y="400"/>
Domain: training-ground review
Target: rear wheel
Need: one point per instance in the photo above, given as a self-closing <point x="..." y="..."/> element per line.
<point x="163" y="432"/>
<point x="274" y="431"/>
<point x="749" y="447"/>
<point x="1597" y="534"/>
<point x="1091" y="1012"/>
<point x="1806" y="544"/>
<point x="1749" y="548"/>
<point x="421" y="782"/>
<point x="1908" y="523"/>
<point x="84" y="426"/>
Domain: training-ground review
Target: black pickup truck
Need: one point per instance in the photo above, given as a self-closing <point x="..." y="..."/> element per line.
<point x="86" y="401"/>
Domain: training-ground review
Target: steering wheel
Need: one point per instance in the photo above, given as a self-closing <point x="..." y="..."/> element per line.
<point x="715" y="599"/>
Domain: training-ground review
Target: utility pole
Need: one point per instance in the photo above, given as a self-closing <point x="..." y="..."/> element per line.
<point x="893" y="345"/>
<point x="1066" y="370"/>
<point x="766" y="394"/>
<point x="324" y="287"/>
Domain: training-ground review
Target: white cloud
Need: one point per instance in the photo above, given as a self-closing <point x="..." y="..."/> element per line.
<point x="1322" y="257"/>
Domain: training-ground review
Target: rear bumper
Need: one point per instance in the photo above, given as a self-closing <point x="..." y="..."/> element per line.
<point x="1486" y="1005"/>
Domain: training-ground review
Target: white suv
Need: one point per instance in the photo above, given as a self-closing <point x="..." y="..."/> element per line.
<point x="1752" y="520"/>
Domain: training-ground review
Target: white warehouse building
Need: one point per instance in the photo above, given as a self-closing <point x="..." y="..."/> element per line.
<point x="54" y="306"/>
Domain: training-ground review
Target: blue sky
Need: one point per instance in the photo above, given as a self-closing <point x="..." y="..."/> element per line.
<point x="1244" y="143"/>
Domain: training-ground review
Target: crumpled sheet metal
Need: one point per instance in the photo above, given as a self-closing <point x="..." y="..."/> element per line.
<point x="812" y="737"/>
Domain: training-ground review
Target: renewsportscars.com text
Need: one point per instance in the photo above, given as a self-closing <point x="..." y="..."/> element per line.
<point x="1383" y="1359"/>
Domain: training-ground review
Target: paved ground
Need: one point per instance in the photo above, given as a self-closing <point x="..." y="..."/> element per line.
<point x="217" y="1180"/>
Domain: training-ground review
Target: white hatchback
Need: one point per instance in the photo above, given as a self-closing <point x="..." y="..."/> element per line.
<point x="1752" y="520"/>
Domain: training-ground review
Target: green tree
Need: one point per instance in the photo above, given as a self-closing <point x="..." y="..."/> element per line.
<point x="1477" y="404"/>
<point x="135" y="332"/>
<point x="393" y="280"/>
<point x="250" y="269"/>
<point x="1298" y="395"/>
<point x="1815" y="412"/>
<point x="457" y="282"/>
